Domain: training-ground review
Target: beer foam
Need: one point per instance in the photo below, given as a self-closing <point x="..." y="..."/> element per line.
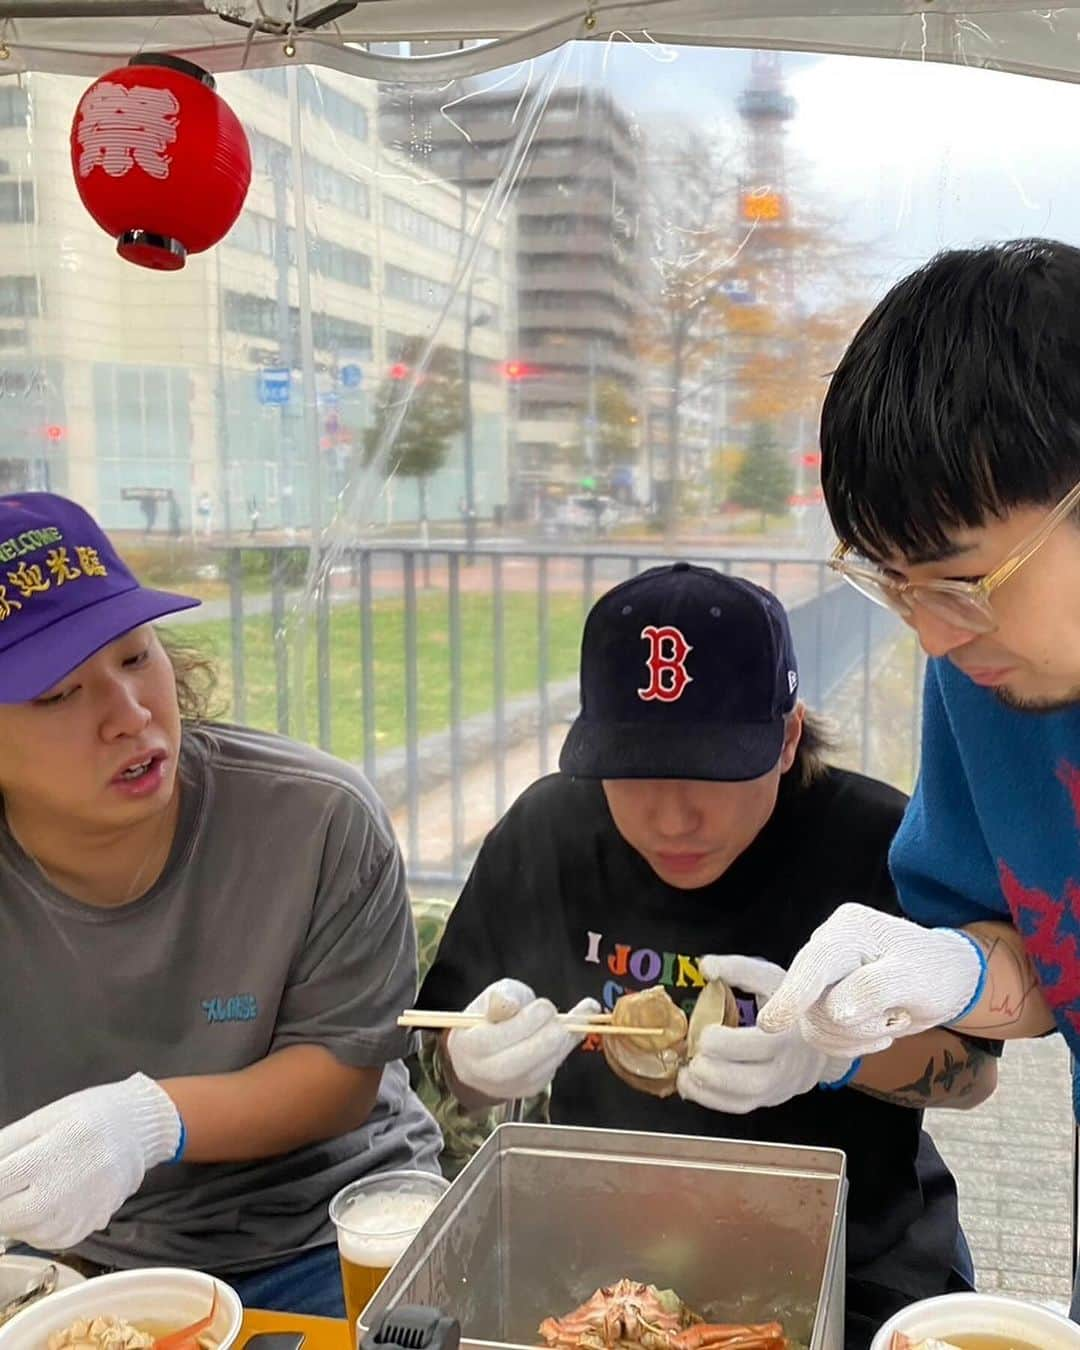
<point x="375" y="1229"/>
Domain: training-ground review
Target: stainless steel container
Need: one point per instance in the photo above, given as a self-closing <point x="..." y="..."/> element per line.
<point x="544" y="1215"/>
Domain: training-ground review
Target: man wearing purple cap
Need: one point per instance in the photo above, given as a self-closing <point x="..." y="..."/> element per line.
<point x="205" y="941"/>
<point x="694" y="813"/>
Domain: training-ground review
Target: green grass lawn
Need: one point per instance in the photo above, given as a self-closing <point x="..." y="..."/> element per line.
<point x="521" y="663"/>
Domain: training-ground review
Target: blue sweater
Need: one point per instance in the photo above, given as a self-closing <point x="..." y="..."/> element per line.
<point x="993" y="831"/>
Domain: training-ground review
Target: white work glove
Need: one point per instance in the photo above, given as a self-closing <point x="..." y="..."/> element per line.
<point x="865" y="978"/>
<point x="65" y="1170"/>
<point x="516" y="1051"/>
<point x="741" y="1069"/>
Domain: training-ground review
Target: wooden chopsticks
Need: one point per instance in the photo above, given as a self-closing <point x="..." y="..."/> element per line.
<point x="598" y="1024"/>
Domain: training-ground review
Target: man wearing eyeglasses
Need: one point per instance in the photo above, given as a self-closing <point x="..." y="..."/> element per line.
<point x="951" y="457"/>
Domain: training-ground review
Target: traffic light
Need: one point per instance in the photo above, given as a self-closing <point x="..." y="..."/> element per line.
<point x="399" y="371"/>
<point x="518" y="370"/>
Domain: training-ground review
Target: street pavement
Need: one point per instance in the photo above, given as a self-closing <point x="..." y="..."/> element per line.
<point x="1013" y="1160"/>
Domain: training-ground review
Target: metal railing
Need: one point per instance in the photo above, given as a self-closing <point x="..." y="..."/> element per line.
<point x="405" y="620"/>
<point x="447" y="783"/>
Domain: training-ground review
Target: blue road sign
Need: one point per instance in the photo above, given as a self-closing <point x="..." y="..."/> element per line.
<point x="274" y="387"/>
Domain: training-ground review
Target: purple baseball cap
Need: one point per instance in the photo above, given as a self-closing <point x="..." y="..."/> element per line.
<point x="64" y="593"/>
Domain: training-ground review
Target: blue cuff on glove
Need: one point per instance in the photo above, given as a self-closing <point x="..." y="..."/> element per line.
<point x="178" y="1156"/>
<point x="980" y="986"/>
<point x="843" y="1082"/>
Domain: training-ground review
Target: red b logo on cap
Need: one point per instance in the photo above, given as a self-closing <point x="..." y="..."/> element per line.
<point x="668" y="677"/>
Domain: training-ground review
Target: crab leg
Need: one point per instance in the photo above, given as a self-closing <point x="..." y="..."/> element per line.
<point x="748" y="1343"/>
<point x="714" y="1335"/>
<point x="753" y="1343"/>
<point x="187" y="1338"/>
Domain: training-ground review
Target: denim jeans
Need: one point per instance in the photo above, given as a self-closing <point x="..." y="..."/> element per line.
<point x="309" y="1284"/>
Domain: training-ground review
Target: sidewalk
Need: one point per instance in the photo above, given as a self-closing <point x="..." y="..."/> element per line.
<point x="1012" y="1158"/>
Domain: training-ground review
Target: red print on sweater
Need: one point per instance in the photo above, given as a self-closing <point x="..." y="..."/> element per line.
<point x="1070" y="777"/>
<point x="1051" y="927"/>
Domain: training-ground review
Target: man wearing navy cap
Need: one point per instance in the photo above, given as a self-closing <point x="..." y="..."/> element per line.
<point x="694" y="813"/>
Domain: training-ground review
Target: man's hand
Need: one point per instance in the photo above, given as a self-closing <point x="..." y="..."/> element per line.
<point x="65" y="1170"/>
<point x="517" y="1050"/>
<point x="741" y="1069"/>
<point x="865" y="978"/>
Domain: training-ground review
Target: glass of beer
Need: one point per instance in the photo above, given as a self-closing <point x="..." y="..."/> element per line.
<point x="376" y="1219"/>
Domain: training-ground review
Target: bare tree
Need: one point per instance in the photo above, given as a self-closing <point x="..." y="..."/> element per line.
<point x="689" y="184"/>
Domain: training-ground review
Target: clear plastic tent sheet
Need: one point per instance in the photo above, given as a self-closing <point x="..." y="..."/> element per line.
<point x="84" y="36"/>
<point x="476" y="350"/>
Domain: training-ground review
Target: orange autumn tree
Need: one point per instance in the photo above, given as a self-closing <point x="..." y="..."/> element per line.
<point x="787" y="363"/>
<point x="811" y="297"/>
<point x="763" y="308"/>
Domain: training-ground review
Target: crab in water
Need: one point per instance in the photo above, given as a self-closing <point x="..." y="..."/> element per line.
<point x="633" y="1316"/>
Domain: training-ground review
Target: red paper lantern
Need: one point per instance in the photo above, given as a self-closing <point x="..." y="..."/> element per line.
<point x="161" y="161"/>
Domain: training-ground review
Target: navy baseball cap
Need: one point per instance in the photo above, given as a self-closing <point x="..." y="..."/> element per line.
<point x="64" y="593"/>
<point x="685" y="673"/>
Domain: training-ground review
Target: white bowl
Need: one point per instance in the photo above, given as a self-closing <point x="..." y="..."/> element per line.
<point x="174" y="1297"/>
<point x="981" y="1314"/>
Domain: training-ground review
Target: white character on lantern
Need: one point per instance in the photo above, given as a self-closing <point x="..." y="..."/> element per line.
<point x="121" y="127"/>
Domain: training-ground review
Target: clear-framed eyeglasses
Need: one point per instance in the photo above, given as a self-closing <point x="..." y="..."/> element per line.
<point x="962" y="604"/>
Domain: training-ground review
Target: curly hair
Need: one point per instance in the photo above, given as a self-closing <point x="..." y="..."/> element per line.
<point x="196" y="679"/>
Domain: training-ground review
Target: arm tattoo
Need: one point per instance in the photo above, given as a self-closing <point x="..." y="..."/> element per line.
<point x="953" y="1079"/>
<point x="1007" y="994"/>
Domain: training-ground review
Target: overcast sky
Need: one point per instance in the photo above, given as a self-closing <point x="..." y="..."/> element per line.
<point x="915" y="156"/>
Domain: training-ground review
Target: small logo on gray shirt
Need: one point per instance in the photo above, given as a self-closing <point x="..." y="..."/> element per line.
<point x="239" y="1008"/>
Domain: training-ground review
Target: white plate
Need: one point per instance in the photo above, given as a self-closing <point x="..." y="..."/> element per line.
<point x="177" y="1297"/>
<point x="18" y="1272"/>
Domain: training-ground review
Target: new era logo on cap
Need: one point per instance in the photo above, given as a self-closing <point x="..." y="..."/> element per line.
<point x="685" y="673"/>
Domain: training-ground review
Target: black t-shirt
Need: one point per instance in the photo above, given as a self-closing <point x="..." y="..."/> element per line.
<point x="558" y="899"/>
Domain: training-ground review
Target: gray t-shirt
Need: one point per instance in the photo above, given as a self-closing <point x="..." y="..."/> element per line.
<point x="281" y="918"/>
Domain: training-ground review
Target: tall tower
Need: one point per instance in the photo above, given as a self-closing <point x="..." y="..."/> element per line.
<point x="763" y="357"/>
<point x="765" y="109"/>
<point x="764" y="205"/>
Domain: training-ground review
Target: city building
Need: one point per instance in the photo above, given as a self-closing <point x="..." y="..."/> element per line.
<point x="576" y="194"/>
<point x="244" y="384"/>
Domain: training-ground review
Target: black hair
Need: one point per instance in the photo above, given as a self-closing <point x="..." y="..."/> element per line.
<point x="957" y="400"/>
<point x="815" y="744"/>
